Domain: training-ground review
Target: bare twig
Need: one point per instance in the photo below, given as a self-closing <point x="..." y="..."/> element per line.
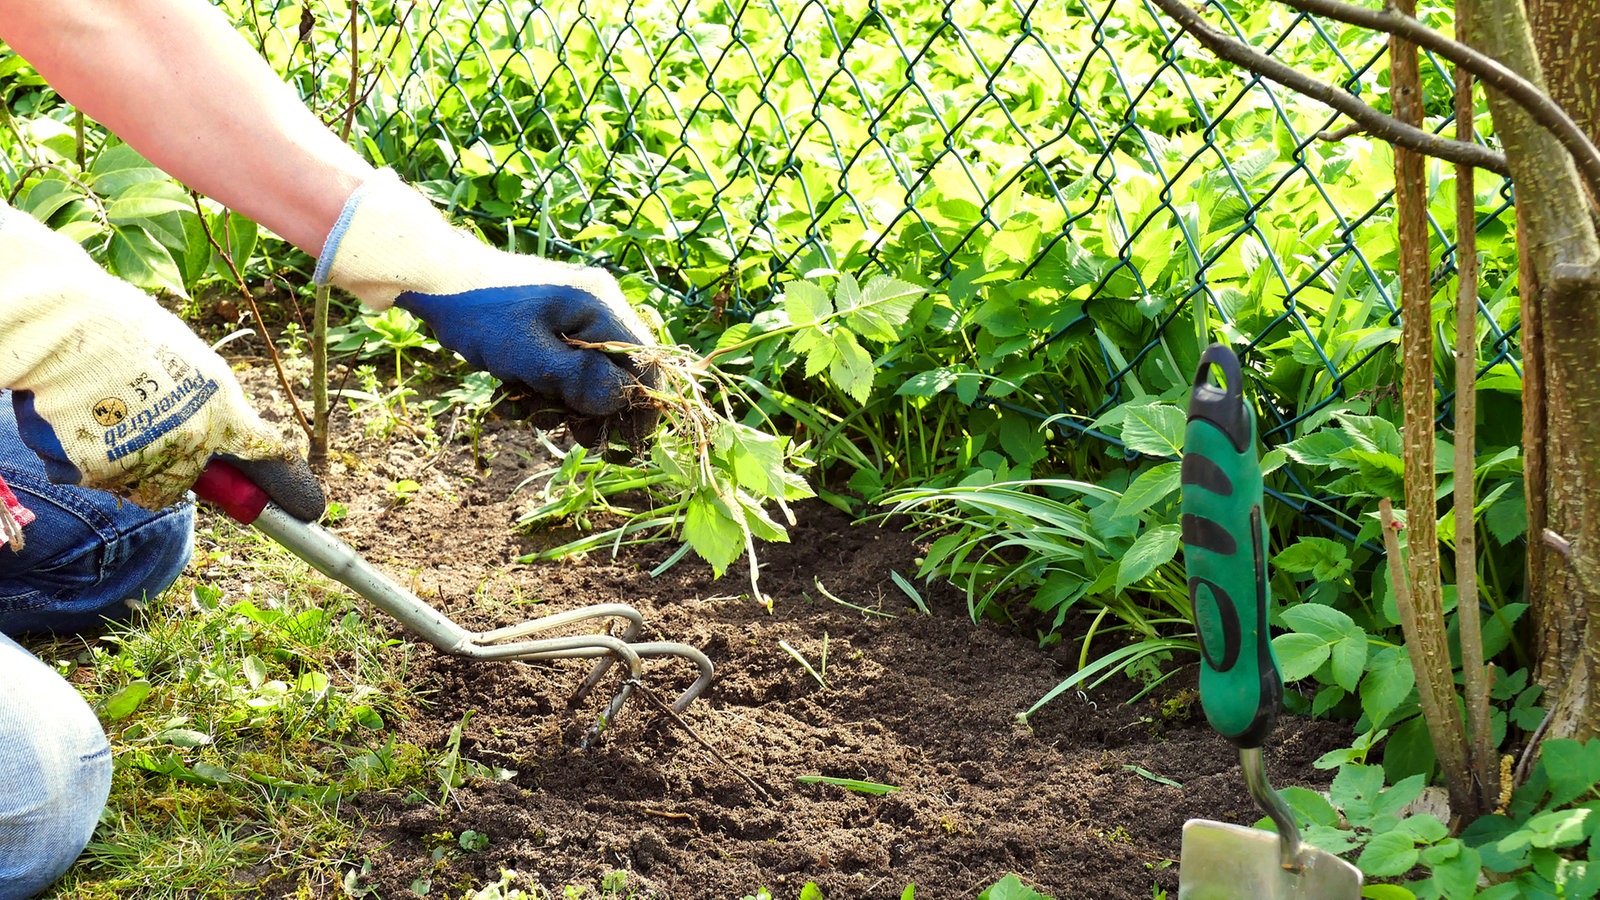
<point x="1381" y="126"/>
<point x="1338" y="134"/>
<point x="255" y="311"/>
<point x="1494" y="75"/>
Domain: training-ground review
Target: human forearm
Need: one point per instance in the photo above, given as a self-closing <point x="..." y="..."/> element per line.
<point x="175" y="81"/>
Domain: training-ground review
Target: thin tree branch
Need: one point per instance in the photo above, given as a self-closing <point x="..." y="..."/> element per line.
<point x="1474" y="672"/>
<point x="1494" y="74"/>
<point x="1379" y="125"/>
<point x="261" y="324"/>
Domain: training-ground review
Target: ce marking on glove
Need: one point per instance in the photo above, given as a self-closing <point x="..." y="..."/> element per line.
<point x="109" y="411"/>
<point x="144" y="386"/>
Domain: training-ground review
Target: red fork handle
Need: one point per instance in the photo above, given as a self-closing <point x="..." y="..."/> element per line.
<point x="227" y="488"/>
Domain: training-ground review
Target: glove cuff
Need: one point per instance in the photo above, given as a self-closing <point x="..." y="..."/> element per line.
<point x="391" y="240"/>
<point x="388" y="239"/>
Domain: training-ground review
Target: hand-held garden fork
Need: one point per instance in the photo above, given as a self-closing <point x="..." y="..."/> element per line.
<point x="1225" y="550"/>
<point x="236" y="495"/>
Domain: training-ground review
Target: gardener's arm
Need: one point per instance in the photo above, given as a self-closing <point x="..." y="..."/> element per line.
<point x="174" y="80"/>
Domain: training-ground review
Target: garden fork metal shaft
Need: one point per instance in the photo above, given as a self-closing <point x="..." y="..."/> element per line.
<point x="242" y="500"/>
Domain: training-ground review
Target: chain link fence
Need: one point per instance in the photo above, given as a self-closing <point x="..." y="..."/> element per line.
<point x="716" y="148"/>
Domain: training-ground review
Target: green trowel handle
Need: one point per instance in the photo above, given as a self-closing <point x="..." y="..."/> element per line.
<point x="1225" y="548"/>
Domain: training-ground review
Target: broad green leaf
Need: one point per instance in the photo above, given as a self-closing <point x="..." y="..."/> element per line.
<point x="1322" y="448"/>
<point x="255" y="670"/>
<point x="1387" y="684"/>
<point x="1011" y="888"/>
<point x="241" y="234"/>
<point x="1384" y="891"/>
<point x="880" y="309"/>
<point x="1150" y="488"/>
<point x="1349" y="656"/>
<point x="1372" y="433"/>
<point x="182" y="737"/>
<point x="1149" y="552"/>
<point x="817" y="347"/>
<point x="1319" y="619"/>
<point x="1573" y="768"/>
<point x="1311" y="805"/>
<point x="806" y="303"/>
<point x="142" y="260"/>
<point x="1557" y="828"/>
<point x="715" y="536"/>
<point x="928" y="383"/>
<point x="851" y="370"/>
<point x="1299" y="655"/>
<point x="1425" y="828"/>
<point x="133" y="209"/>
<point x="126" y="701"/>
<point x="1153" y="428"/>
<point x="47" y="197"/>
<point x="1325" y="559"/>
<point x="754" y="458"/>
<point x="1388" y="855"/>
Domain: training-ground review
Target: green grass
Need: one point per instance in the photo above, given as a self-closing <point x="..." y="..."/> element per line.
<point x="243" y="707"/>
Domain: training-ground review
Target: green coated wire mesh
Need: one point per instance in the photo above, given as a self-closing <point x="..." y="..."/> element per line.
<point x="717" y="148"/>
<point x="1104" y="188"/>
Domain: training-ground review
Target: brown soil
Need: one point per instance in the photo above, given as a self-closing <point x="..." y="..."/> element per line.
<point x="1077" y="800"/>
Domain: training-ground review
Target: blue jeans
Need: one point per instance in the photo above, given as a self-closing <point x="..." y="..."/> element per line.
<point x="86" y="556"/>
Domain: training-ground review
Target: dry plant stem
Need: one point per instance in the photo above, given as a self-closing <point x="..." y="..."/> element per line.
<point x="1383" y="127"/>
<point x="255" y="311"/>
<point x="1474" y="675"/>
<point x="1426" y="638"/>
<point x="1533" y="100"/>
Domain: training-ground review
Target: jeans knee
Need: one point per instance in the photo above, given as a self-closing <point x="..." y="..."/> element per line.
<point x="56" y="765"/>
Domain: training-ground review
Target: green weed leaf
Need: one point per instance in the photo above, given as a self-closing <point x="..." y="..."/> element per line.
<point x="126" y="701"/>
<point x="1387" y="855"/>
<point x="1387" y="684"/>
<point x="1572" y="767"/>
<point x="806" y="303"/>
<point x="1155" y="429"/>
<point x="710" y="529"/>
<point x="1557" y="828"/>
<point x="1149" y="552"/>
<point x="849" y="784"/>
<point x="1299" y="655"/>
<point x="878" y="310"/>
<point x="851" y="369"/>
<point x="1150" y="488"/>
<point x="182" y="737"/>
<point x="1011" y="888"/>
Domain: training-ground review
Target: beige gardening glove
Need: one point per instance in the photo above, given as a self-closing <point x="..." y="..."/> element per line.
<point x="520" y="318"/>
<point x="113" y="392"/>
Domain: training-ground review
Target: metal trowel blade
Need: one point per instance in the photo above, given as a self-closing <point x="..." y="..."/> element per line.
<point x="1230" y="862"/>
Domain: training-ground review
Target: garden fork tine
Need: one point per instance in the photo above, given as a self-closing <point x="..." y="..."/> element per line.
<point x="242" y="500"/>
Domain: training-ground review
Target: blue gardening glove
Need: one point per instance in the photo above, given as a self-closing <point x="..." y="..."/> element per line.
<point x="112" y="391"/>
<point x="519" y="318"/>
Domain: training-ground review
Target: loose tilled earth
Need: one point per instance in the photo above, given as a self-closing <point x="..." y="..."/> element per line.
<point x="1085" y="800"/>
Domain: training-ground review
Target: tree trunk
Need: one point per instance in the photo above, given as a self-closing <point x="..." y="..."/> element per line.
<point x="1567" y="36"/>
<point x="1561" y="304"/>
